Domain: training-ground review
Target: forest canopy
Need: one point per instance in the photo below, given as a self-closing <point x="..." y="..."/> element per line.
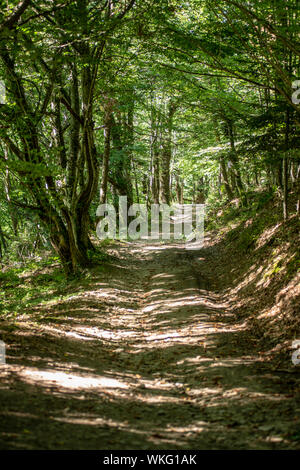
<point x="158" y="101"/>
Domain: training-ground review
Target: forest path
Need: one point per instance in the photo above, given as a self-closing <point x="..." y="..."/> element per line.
<point x="145" y="356"/>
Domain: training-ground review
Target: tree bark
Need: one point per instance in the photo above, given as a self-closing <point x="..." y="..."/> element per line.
<point x="166" y="155"/>
<point x="106" y="153"/>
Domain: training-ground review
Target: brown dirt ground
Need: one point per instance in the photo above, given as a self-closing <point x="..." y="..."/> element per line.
<point x="150" y="356"/>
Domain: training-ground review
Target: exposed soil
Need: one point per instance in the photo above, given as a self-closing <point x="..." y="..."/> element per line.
<point x="149" y="356"/>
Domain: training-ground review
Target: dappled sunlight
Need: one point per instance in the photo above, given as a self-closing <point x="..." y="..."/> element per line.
<point x="106" y="334"/>
<point x="150" y="358"/>
<point x="70" y="381"/>
<point x="149" y="230"/>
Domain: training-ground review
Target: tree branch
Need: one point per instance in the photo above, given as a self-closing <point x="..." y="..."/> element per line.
<point x="14" y="18"/>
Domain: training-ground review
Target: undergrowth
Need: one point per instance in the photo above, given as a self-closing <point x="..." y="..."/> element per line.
<point x="41" y="280"/>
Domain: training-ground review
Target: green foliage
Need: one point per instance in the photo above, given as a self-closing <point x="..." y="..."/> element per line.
<point x="225" y="69"/>
<point x="97" y="256"/>
<point x="293" y="266"/>
<point x="22" y="289"/>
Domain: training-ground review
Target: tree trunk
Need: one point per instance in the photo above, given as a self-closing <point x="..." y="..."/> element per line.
<point x="225" y="179"/>
<point x="106" y="153"/>
<point x="166" y="155"/>
<point x="7" y="189"/>
<point x="285" y="176"/>
<point x="178" y="188"/>
<point x="234" y="159"/>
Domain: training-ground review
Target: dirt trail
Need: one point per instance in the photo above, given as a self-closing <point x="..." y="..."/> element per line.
<point x="147" y="357"/>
